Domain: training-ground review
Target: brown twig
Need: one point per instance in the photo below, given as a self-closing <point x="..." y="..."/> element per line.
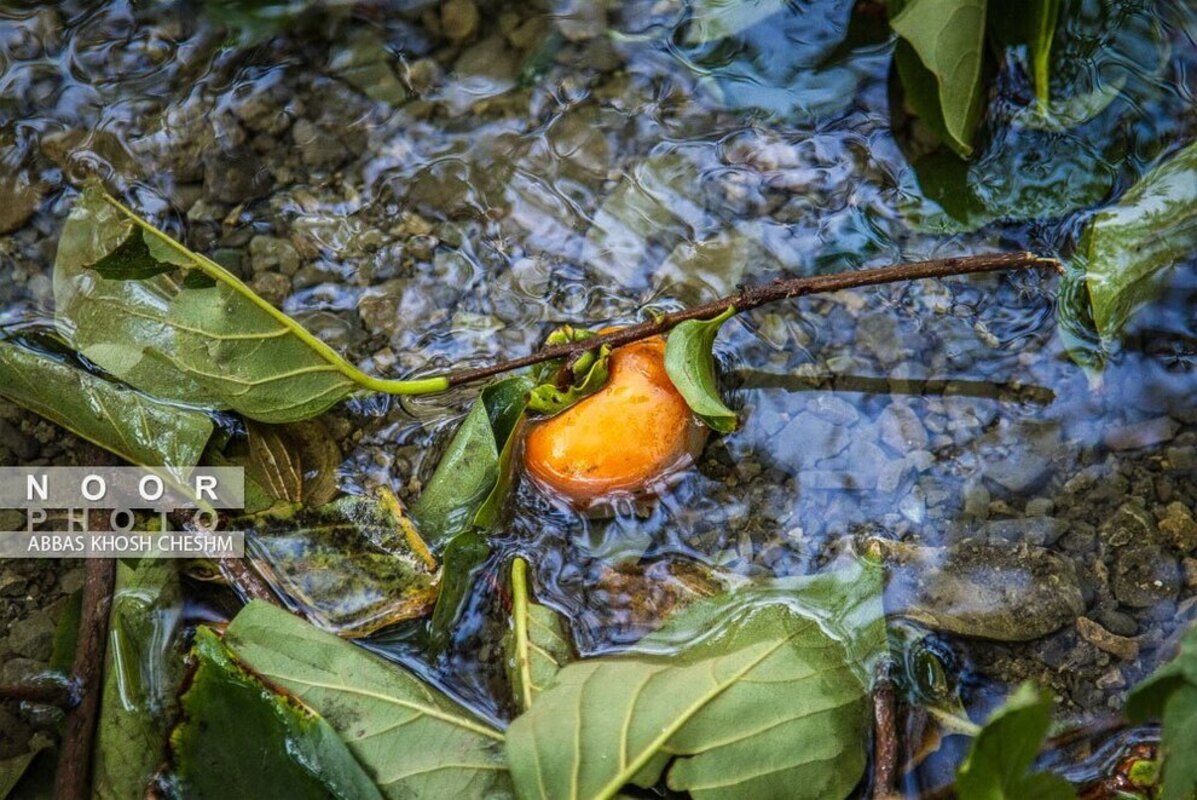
<point x="74" y="760"/>
<point x="885" y="740"/>
<point x="781" y="289"/>
<point x="49" y="693"/>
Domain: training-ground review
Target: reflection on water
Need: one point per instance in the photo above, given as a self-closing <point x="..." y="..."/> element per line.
<point x="422" y="191"/>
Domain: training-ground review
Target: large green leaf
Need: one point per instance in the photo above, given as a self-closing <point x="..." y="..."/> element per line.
<point x="240" y="739"/>
<point x="1170" y="694"/>
<point x="1129" y="246"/>
<point x="763" y="693"/>
<point x="537" y="646"/>
<point x="691" y="366"/>
<point x="414" y="741"/>
<point x="142" y="670"/>
<point x="179" y="326"/>
<point x="948" y="36"/>
<point x="137" y="428"/>
<point x="999" y="761"/>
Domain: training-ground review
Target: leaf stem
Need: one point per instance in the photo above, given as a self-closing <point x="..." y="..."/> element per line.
<point x="781" y="289"/>
<point x="519" y="616"/>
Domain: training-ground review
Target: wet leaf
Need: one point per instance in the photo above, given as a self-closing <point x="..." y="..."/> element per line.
<point x="239" y="738"/>
<point x="296" y="462"/>
<point x="948" y="37"/>
<point x="711" y="20"/>
<point x="137" y="428"/>
<point x="1129" y="246"/>
<point x="469" y="471"/>
<point x="763" y="693"/>
<point x="461" y="561"/>
<point x="1170" y="694"/>
<point x="691" y="366"/>
<point x="587" y="374"/>
<point x="123" y="301"/>
<point x="353" y="566"/>
<point x="142" y="671"/>
<point x="537" y="646"/>
<point x="66" y="634"/>
<point x="999" y="761"/>
<point x="414" y="741"/>
<point x="1032" y="24"/>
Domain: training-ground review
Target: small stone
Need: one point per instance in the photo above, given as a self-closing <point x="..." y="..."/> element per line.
<point x="976" y="500"/>
<point x="1180" y="527"/>
<point x="12" y="584"/>
<point x="1190" y="569"/>
<point x="272" y="287"/>
<point x="1019" y="472"/>
<point x="1117" y="622"/>
<point x="914" y="506"/>
<point x="234" y="175"/>
<point x="19" y="199"/>
<point x="19" y="670"/>
<point x="901" y="429"/>
<point x="1131" y="523"/>
<point x="1039" y="531"/>
<point x="272" y="254"/>
<point x="318" y="147"/>
<point x="1040" y="507"/>
<point x="459" y="19"/>
<point x="580" y="20"/>
<point x="807" y="438"/>
<point x="1111" y="679"/>
<point x="1145" y="576"/>
<point x="1148" y="433"/>
<point x="892" y="475"/>
<point x="1180" y="459"/>
<point x="1099" y="637"/>
<point x="33" y="637"/>
<point x="72" y="580"/>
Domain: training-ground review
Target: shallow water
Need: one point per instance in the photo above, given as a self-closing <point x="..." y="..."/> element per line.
<point x="420" y="204"/>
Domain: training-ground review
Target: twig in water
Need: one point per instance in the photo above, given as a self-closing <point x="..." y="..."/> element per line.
<point x="781" y="289"/>
<point x="885" y="740"/>
<point x="74" y="760"/>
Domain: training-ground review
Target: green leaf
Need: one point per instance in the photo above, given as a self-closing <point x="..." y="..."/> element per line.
<point x="124" y="300"/>
<point x="999" y="761"/>
<point x="141" y="678"/>
<point x="760" y="694"/>
<point x="1129" y="246"/>
<point x="691" y="366"/>
<point x="66" y="634"/>
<point x="414" y="741"/>
<point x="588" y="374"/>
<point x="239" y="738"/>
<point x="1031" y="23"/>
<point x="353" y="566"/>
<point x="460" y="562"/>
<point x="948" y="36"/>
<point x="537" y="646"/>
<point x="137" y="428"/>
<point x="711" y="20"/>
<point x="469" y="471"/>
<point x="1170" y="694"/>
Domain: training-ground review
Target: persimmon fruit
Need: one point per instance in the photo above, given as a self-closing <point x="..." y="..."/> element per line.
<point x="625" y="440"/>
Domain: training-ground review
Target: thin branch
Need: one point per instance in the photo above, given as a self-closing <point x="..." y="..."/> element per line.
<point x="781" y="289"/>
<point x="885" y="740"/>
<point x="74" y="761"/>
<point x="43" y="692"/>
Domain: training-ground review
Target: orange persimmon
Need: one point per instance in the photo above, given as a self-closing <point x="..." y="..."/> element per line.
<point x="624" y="440"/>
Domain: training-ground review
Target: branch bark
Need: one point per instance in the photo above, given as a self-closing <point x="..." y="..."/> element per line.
<point x="781" y="289"/>
<point x="74" y="760"/>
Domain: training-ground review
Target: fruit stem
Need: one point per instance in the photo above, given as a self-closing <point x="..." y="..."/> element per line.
<point x="781" y="289"/>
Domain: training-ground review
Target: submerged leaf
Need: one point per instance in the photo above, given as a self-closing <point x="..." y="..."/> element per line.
<point x="1170" y="694"/>
<point x="124" y="299"/>
<point x="691" y="366"/>
<point x="763" y="693"/>
<point x="353" y="566"/>
<point x="587" y="374"/>
<point x="948" y="36"/>
<point x="414" y="741"/>
<point x="141" y="678"/>
<point x="1129" y="246"/>
<point x="137" y="428"/>
<point x="537" y="646"/>
<point x="239" y="738"/>
<point x="296" y="462"/>
<point x="1032" y="24"/>
<point x="999" y="761"/>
